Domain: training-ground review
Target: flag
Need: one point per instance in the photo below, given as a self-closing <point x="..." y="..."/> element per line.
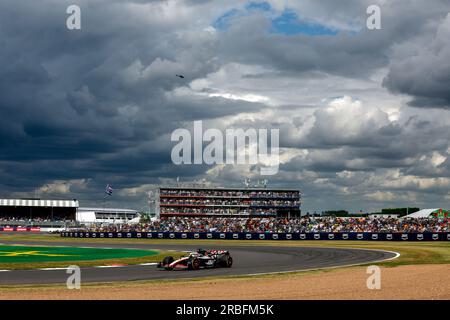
<point x="108" y="190"/>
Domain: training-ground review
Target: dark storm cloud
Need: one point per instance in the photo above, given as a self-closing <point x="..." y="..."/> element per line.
<point x="343" y="54"/>
<point x="425" y="73"/>
<point x="344" y="137"/>
<point x="349" y="53"/>
<point x="93" y="103"/>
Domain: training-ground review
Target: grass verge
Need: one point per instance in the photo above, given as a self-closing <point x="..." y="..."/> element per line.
<point x="91" y="263"/>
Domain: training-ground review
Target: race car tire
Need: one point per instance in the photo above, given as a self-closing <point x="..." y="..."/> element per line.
<point x="194" y="264"/>
<point x="225" y="261"/>
<point x="229" y="262"/>
<point x="167" y="261"/>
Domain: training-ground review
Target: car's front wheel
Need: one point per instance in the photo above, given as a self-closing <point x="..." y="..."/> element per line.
<point x="166" y="262"/>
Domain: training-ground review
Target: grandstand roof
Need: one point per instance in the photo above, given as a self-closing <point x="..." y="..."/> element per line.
<point x="106" y="210"/>
<point x="39" y="203"/>
<point x="424" y="213"/>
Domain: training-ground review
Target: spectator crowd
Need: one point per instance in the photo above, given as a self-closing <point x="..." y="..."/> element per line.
<point x="229" y="202"/>
<point x="32" y="219"/>
<point x="222" y="193"/>
<point x="283" y="225"/>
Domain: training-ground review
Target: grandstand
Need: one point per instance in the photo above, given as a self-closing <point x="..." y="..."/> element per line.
<point x="56" y="214"/>
<point x="305" y="224"/>
<point x="32" y="212"/>
<point x="228" y="202"/>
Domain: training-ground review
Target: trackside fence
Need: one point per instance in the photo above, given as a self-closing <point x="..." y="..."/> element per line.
<point x="428" y="236"/>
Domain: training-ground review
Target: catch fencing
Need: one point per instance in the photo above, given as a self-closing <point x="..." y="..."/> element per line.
<point x="427" y="236"/>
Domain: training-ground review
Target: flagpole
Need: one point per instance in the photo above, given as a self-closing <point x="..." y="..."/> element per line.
<point x="108" y="192"/>
<point x="103" y="207"/>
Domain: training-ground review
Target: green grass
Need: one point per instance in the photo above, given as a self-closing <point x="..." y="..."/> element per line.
<point x="126" y="261"/>
<point x="31" y="254"/>
<point x="20" y="257"/>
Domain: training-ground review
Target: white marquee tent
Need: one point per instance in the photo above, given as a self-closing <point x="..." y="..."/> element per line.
<point x="424" y="213"/>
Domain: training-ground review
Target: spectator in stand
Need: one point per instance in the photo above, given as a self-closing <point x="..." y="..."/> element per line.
<point x="269" y="224"/>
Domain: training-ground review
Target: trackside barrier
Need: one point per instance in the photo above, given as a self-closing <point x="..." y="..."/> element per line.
<point x="20" y="229"/>
<point x="428" y="236"/>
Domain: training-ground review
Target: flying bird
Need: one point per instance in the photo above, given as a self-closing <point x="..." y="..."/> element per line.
<point x="179" y="76"/>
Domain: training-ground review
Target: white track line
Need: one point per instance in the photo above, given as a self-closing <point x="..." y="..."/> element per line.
<point x="333" y="267"/>
<point x="111" y="266"/>
<point x="281" y="272"/>
<point x="65" y="268"/>
<point x="129" y="265"/>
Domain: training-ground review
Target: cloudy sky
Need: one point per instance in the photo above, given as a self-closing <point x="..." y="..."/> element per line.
<point x="363" y="114"/>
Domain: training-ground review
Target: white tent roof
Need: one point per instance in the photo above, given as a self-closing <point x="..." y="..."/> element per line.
<point x="424" y="213"/>
<point x="106" y="210"/>
<point x="39" y="203"/>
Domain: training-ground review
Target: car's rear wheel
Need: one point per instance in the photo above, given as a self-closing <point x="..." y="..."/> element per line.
<point x="166" y="262"/>
<point x="225" y="261"/>
<point x="229" y="262"/>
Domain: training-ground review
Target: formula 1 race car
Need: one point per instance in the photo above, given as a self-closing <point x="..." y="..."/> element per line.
<point x="199" y="259"/>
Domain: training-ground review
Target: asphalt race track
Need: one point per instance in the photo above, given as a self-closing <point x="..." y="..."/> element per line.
<point x="247" y="260"/>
